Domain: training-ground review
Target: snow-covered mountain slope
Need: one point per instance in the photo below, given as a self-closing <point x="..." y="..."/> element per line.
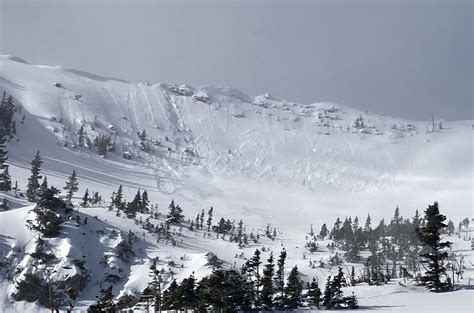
<point x="218" y="146"/>
<point x="259" y="159"/>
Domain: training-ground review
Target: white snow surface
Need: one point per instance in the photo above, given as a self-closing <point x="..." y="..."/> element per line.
<point x="259" y="159"/>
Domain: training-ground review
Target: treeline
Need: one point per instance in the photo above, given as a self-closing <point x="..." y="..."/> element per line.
<point x="400" y="249"/>
<point x="255" y="287"/>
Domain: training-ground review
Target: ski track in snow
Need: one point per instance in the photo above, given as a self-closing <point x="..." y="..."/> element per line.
<point x="274" y="164"/>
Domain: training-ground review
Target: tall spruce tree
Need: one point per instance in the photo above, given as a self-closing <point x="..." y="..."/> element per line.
<point x="293" y="290"/>
<point x="209" y="219"/>
<point x="156" y="281"/>
<point x="255" y="262"/>
<point x="187" y="293"/>
<point x="71" y="185"/>
<point x="435" y="278"/>
<point x="266" y="296"/>
<point x="280" y="280"/>
<point x="33" y="181"/>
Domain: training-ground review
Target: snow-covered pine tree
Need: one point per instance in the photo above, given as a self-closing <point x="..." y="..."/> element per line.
<point x="48" y="213"/>
<point x="175" y="215"/>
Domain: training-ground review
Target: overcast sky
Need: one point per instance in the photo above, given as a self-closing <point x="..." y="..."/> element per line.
<point x="397" y="57"/>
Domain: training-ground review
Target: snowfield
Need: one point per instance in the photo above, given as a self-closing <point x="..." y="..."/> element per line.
<point x="259" y="159"/>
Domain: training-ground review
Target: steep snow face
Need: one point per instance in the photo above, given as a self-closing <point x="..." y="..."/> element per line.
<point x="219" y="146"/>
<point x="260" y="159"/>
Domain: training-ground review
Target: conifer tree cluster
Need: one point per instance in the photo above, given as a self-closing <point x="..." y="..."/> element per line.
<point x="104" y="144"/>
<point x="254" y="287"/>
<point x="394" y="247"/>
<point x="139" y="204"/>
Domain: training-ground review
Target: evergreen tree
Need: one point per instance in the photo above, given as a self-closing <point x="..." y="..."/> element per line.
<point x="209" y="219"/>
<point x="175" y="215"/>
<point x="134" y="206"/>
<point x="71" y="186"/>
<point x="280" y="280"/>
<point x="323" y="232"/>
<point x="255" y="263"/>
<point x="125" y="247"/>
<point x="96" y="198"/>
<point x="33" y="181"/>
<point x="105" y="304"/>
<point x="333" y="295"/>
<point x="156" y="281"/>
<point x="7" y="112"/>
<point x="314" y="294"/>
<point x="266" y="296"/>
<point x="44" y="186"/>
<point x="293" y="290"/>
<point x="201" y="219"/>
<point x="170" y="297"/>
<point x="328" y="294"/>
<point x="430" y="236"/>
<point x="16" y="189"/>
<point x="81" y="135"/>
<point x="451" y="227"/>
<point x="145" y="202"/>
<point x="117" y="198"/>
<point x="222" y="291"/>
<point x="5" y="179"/>
<point x="187" y="293"/>
<point x="85" y="198"/>
<point x="367" y="227"/>
<point x="48" y="218"/>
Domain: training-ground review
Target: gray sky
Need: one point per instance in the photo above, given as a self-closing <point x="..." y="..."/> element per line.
<point x="398" y="57"/>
